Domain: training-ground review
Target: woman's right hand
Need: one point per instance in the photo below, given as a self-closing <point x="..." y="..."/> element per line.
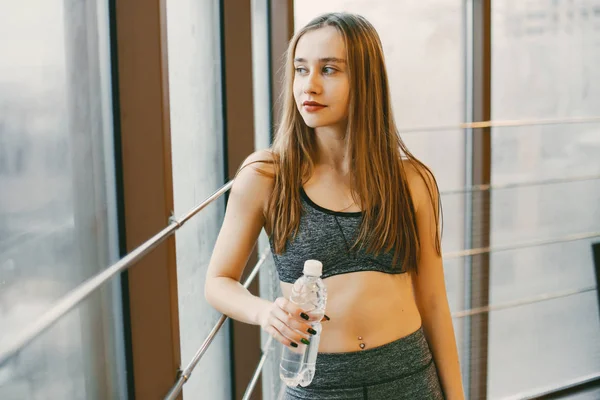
<point x="286" y="322"/>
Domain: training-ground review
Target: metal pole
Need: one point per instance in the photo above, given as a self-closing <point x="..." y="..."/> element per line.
<point x="482" y="188"/>
<point x="185" y="375"/>
<point x="522" y="245"/>
<point x="522" y="302"/>
<point x="77" y="295"/>
<point x="501" y="124"/>
<point x="259" y="367"/>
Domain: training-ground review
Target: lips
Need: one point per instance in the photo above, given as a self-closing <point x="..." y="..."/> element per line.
<point x="312" y="103"/>
<point x="312" y="106"/>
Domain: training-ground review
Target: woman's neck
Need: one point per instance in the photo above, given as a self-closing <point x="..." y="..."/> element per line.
<point x="332" y="149"/>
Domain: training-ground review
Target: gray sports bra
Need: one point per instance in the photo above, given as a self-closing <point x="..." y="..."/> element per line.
<point x="328" y="236"/>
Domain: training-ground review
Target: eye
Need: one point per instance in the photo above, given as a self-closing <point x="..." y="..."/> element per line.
<point x="300" y="70"/>
<point x="329" y="70"/>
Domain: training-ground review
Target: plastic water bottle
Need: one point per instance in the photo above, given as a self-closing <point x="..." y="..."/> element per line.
<point x="297" y="365"/>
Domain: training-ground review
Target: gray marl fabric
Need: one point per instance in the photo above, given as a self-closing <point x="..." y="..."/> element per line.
<point x="327" y="236"/>
<point x="400" y="370"/>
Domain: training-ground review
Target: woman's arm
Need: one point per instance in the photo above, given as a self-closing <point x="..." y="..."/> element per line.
<point x="430" y="289"/>
<point x="244" y="219"/>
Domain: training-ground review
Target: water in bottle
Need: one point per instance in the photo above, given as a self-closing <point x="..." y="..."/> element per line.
<point x="310" y="356"/>
<point x="297" y="365"/>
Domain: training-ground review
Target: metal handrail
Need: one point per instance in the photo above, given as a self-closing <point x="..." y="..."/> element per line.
<point x="522" y="245"/>
<point x="67" y="302"/>
<point x="505" y="123"/>
<point x="258" y="370"/>
<point x="522" y="302"/>
<point x="81" y="292"/>
<point x="73" y="298"/>
<point x="184" y="376"/>
<point x="483" y="188"/>
<point x="545" y="392"/>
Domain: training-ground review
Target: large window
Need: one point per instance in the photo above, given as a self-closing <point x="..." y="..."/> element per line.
<point x="544" y="66"/>
<point x="58" y="221"/>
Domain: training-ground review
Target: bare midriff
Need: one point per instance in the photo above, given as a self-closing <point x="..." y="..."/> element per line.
<point x="367" y="309"/>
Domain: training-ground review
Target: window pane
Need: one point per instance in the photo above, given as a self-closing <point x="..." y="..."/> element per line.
<point x="57" y="199"/>
<point x="260" y="73"/>
<point x="198" y="167"/>
<point x="544" y="66"/>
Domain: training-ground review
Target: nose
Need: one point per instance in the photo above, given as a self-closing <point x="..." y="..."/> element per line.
<point x="312" y="84"/>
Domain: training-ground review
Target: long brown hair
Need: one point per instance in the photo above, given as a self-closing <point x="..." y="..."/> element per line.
<point x="379" y="183"/>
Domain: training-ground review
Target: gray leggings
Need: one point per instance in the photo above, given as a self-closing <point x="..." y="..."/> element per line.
<point x="403" y="369"/>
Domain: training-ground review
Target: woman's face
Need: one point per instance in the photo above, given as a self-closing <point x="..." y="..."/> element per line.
<point x="321" y="82"/>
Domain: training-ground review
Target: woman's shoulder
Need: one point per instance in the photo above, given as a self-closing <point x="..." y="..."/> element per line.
<point x="421" y="181"/>
<point x="416" y="170"/>
<point x="262" y="161"/>
<point x="254" y="179"/>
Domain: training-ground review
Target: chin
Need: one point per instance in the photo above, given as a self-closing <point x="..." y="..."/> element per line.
<point x="315" y="122"/>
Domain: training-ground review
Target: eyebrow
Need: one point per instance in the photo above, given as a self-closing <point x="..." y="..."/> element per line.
<point x="323" y="60"/>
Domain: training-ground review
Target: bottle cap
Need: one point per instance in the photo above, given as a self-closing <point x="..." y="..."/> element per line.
<point x="313" y="268"/>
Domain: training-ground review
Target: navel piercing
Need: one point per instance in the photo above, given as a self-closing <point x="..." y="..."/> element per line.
<point x="361" y="345"/>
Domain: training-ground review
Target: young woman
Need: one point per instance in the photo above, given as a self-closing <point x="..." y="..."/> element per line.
<point x="338" y="185"/>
